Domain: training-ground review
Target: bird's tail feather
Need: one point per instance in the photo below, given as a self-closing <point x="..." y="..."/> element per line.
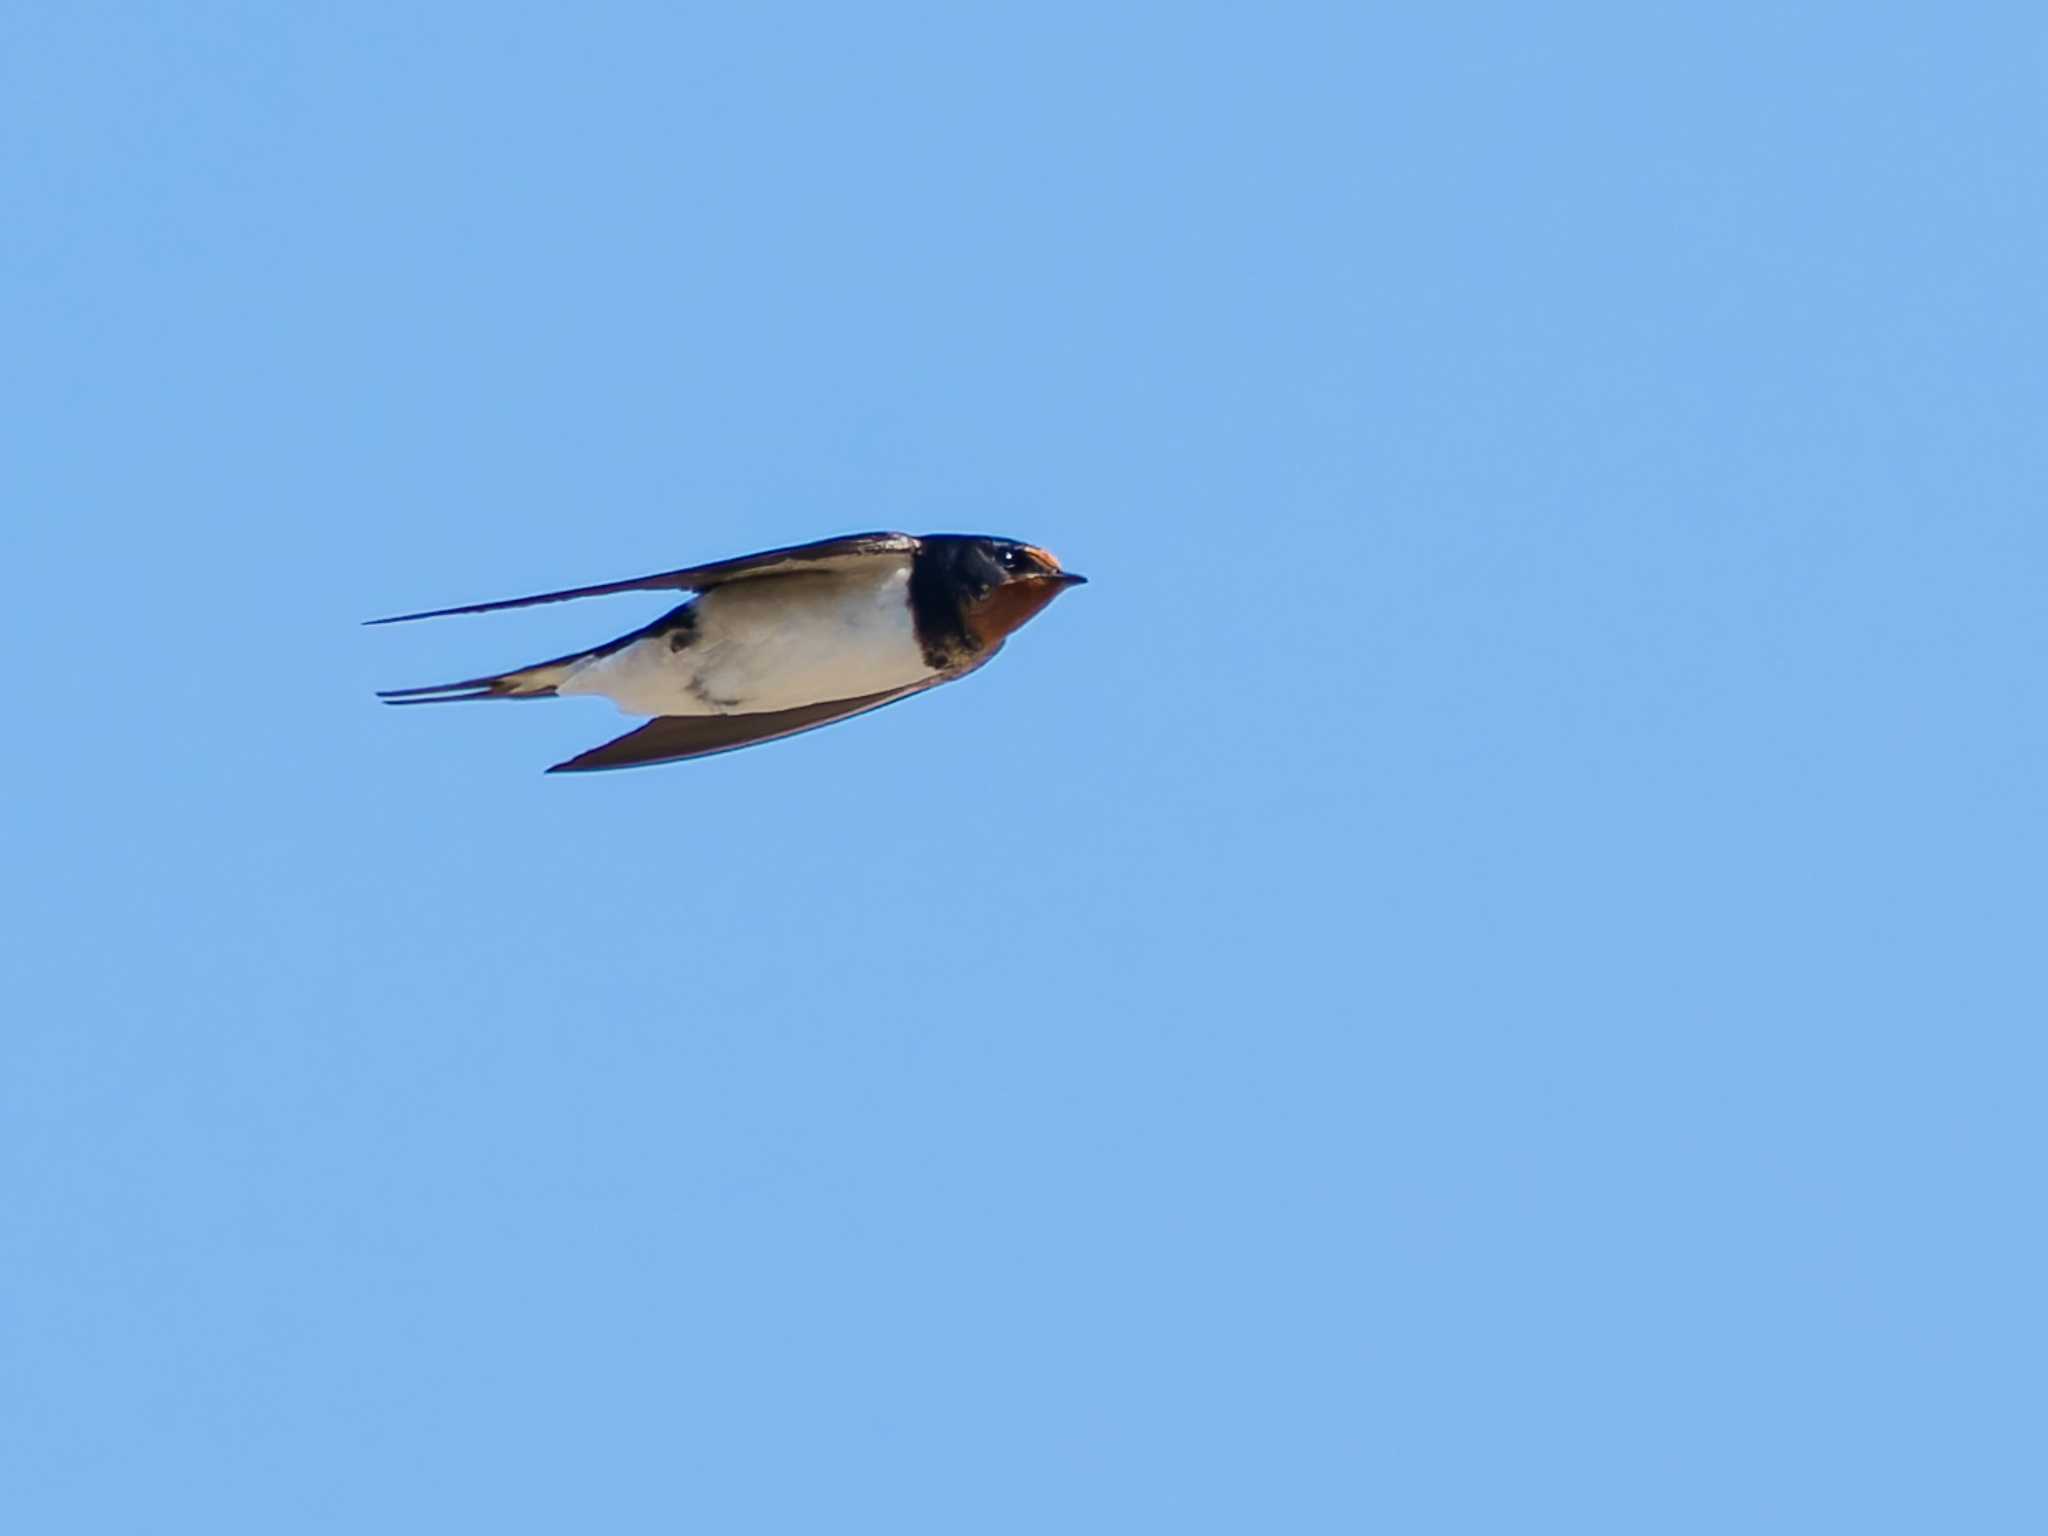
<point x="535" y="682"/>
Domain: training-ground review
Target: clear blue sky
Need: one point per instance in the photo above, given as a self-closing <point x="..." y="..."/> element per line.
<point x="1485" y="976"/>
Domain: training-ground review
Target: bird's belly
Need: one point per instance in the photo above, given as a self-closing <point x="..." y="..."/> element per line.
<point x="771" y="645"/>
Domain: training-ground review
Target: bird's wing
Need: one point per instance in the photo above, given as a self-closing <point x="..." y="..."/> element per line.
<point x="825" y="555"/>
<point x="672" y="738"/>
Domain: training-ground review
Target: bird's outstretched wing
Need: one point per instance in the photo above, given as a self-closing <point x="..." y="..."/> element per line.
<point x="672" y="738"/>
<point x="824" y="555"/>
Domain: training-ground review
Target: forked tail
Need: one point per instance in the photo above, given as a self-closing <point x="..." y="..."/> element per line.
<point x="535" y="682"/>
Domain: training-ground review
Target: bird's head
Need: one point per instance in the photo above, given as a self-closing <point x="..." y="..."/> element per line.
<point x="1000" y="584"/>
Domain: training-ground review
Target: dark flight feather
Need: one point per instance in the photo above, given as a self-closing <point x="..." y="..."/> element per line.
<point x="672" y="738"/>
<point x="824" y="555"/>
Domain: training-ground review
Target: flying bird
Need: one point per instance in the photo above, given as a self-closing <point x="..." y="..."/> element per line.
<point x="783" y="641"/>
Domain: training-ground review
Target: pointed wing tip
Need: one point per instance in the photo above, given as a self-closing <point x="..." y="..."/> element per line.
<point x="594" y="760"/>
<point x="407" y="618"/>
<point x="577" y="765"/>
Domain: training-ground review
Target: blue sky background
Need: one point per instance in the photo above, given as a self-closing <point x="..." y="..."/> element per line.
<point x="1486" y="976"/>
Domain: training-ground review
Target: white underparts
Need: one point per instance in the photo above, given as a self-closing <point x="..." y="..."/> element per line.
<point x="769" y="644"/>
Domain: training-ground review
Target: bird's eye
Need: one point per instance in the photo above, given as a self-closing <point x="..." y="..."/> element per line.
<point x="1013" y="559"/>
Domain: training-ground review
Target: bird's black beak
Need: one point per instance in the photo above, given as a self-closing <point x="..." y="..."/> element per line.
<point x="1069" y="579"/>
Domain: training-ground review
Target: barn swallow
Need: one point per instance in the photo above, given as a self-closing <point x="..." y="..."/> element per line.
<point x="783" y="641"/>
